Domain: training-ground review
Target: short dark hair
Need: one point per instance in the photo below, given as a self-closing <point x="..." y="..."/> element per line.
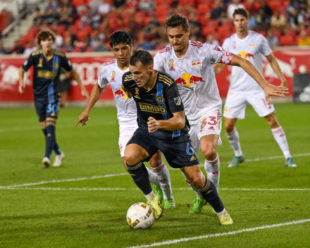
<point x="44" y="35"/>
<point x="143" y="56"/>
<point x="241" y="11"/>
<point x="176" y="20"/>
<point x="119" y="37"/>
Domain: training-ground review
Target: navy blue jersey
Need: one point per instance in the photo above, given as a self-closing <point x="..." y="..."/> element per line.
<point x="160" y="102"/>
<point x="46" y="71"/>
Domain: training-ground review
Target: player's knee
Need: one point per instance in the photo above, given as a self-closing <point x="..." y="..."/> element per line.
<point x="197" y="180"/>
<point x="156" y="160"/>
<point x="209" y="151"/>
<point x="229" y="127"/>
<point x="133" y="155"/>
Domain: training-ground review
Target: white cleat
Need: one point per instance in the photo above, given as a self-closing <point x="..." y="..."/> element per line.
<point x="58" y="159"/>
<point x="46" y="162"/>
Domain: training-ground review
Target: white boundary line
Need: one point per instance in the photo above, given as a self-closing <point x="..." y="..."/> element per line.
<point x="123" y="174"/>
<point x="136" y="189"/>
<point x="175" y="241"/>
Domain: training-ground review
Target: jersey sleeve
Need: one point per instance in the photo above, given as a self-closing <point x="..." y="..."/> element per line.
<point x="102" y="79"/>
<point x="216" y="54"/>
<point x="265" y="48"/>
<point x="66" y="64"/>
<point x="174" y="99"/>
<point x="226" y="45"/>
<point x="159" y="62"/>
<point x="28" y="63"/>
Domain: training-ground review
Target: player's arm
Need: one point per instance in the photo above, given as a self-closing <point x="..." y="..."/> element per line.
<point x="94" y="97"/>
<point x="21" y="85"/>
<point x="174" y="123"/>
<point x="270" y="90"/>
<point x="77" y="78"/>
<point x="276" y="68"/>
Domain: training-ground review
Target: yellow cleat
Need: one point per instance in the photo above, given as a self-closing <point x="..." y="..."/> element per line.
<point x="155" y="205"/>
<point x="225" y="218"/>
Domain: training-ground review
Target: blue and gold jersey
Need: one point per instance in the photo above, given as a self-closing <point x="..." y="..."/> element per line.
<point x="160" y="102"/>
<point x="46" y="71"/>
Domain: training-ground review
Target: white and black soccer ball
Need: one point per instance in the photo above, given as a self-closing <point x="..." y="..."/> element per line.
<point x="140" y="216"/>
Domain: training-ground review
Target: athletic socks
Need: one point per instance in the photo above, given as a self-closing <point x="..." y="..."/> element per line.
<point x="209" y="193"/>
<point x="140" y="176"/>
<point x="213" y="170"/>
<point x="50" y="140"/>
<point x="233" y="138"/>
<point x="197" y="192"/>
<point x="280" y="137"/>
<point x="163" y="175"/>
<point x="56" y="147"/>
<point x="152" y="176"/>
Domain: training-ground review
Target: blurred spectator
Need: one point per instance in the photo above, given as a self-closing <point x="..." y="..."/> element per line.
<point x="235" y="4"/>
<point x="146" y="5"/>
<point x="66" y="16"/>
<point x="211" y="40"/>
<point x="2" y="49"/>
<point x="37" y="19"/>
<point x="17" y="48"/>
<point x="272" y="39"/>
<point x="265" y="10"/>
<point x="95" y="39"/>
<point x="104" y="8"/>
<point x="294" y="15"/>
<point x="218" y="11"/>
<point x="101" y="47"/>
<point x="50" y="4"/>
<point x="304" y="39"/>
<point x="119" y="5"/>
<point x="278" y="21"/>
<point x="50" y="16"/>
<point x="307" y="16"/>
<point x="68" y="44"/>
<point x="30" y="47"/>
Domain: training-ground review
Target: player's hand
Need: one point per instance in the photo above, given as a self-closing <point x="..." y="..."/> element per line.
<point x="283" y="82"/>
<point x="152" y="124"/>
<point x="21" y="87"/>
<point x="83" y="118"/>
<point x="272" y="90"/>
<point x="85" y="94"/>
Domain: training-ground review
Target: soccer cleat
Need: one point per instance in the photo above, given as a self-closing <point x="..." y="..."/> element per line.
<point x="197" y="206"/>
<point x="289" y="162"/>
<point x="169" y="203"/>
<point x="46" y="162"/>
<point x="156" y="208"/>
<point x="236" y="160"/>
<point x="159" y="193"/>
<point x="58" y="159"/>
<point x="225" y="218"/>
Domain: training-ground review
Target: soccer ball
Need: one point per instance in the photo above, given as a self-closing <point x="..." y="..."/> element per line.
<point x="140" y="216"/>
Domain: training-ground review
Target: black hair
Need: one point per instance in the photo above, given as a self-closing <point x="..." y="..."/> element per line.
<point x="44" y="35"/>
<point x="119" y="37"/>
<point x="241" y="11"/>
<point x="143" y="56"/>
<point x="176" y="20"/>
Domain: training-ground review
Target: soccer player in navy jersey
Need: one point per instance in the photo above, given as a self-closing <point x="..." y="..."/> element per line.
<point x="162" y="125"/>
<point x="47" y="63"/>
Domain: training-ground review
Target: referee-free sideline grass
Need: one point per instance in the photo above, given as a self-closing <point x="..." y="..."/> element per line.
<point x="84" y="203"/>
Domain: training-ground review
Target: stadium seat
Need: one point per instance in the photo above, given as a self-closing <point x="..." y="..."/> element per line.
<point x="213" y="23"/>
<point x="161" y="10"/>
<point x="224" y="31"/>
<point x="77" y="3"/>
<point x="187" y="2"/>
<point x="208" y="30"/>
<point x="203" y="8"/>
<point x="274" y="5"/>
<point x="286" y="40"/>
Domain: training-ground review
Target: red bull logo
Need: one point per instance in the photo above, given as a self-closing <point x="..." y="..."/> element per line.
<point x="121" y="93"/>
<point x="246" y="55"/>
<point x="188" y="80"/>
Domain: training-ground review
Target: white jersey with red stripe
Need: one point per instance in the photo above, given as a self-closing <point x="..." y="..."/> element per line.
<point x="194" y="75"/>
<point x="252" y="47"/>
<point x="126" y="107"/>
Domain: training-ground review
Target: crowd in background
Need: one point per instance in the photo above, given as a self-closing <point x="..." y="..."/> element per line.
<point x="85" y="25"/>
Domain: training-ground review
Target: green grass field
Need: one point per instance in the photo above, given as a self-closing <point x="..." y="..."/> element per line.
<point x="84" y="203"/>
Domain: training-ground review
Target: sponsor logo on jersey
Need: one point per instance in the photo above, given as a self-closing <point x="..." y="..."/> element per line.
<point x="40" y="64"/>
<point x="246" y="55"/>
<point x="160" y="99"/>
<point x="177" y="100"/>
<point x="171" y="65"/>
<point x="121" y="93"/>
<point x="151" y="108"/>
<point x="188" y="80"/>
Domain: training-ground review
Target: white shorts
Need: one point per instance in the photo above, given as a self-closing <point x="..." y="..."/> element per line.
<point x="125" y="134"/>
<point x="236" y="102"/>
<point x="210" y="123"/>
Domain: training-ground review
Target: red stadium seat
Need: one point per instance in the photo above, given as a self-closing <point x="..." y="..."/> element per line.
<point x="286" y="40"/>
<point x="224" y="31"/>
<point x="274" y="5"/>
<point x="203" y="8"/>
<point x="208" y="30"/>
<point x="77" y="3"/>
<point x="161" y="10"/>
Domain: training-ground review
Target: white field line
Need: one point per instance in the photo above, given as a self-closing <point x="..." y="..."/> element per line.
<point x="136" y="189"/>
<point x="123" y="174"/>
<point x="176" y="241"/>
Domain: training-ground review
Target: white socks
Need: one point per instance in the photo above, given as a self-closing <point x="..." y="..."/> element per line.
<point x="213" y="170"/>
<point x="279" y="136"/>
<point x="163" y="176"/>
<point x="233" y="138"/>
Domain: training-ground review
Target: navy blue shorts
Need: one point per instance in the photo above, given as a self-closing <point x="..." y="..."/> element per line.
<point x="47" y="107"/>
<point x="178" y="152"/>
